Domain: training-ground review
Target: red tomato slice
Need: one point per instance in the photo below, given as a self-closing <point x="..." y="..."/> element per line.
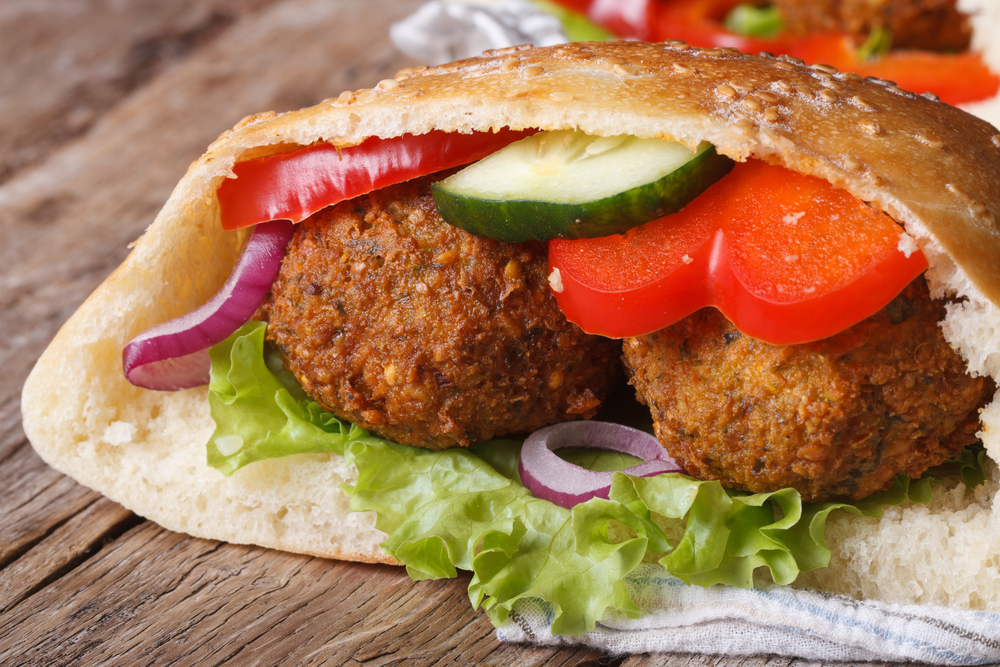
<point x="787" y="258"/>
<point x="293" y="186"/>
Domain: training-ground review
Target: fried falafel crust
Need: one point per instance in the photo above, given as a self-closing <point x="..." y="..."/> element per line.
<point x="931" y="25"/>
<point x="416" y="330"/>
<point x="840" y="417"/>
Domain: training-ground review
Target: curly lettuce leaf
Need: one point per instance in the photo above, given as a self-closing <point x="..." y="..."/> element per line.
<point x="452" y="509"/>
<point x="466" y="508"/>
<point x="578" y="27"/>
<point x="259" y="410"/>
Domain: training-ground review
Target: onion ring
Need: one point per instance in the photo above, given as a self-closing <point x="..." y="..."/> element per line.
<point x="174" y="355"/>
<point x="549" y="477"/>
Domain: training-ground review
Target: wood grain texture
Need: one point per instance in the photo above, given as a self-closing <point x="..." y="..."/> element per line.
<point x="103" y="104"/>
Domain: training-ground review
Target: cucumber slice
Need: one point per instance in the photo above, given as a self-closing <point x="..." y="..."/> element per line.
<point x="567" y="184"/>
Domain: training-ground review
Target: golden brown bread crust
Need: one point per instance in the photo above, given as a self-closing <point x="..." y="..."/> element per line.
<point x="932" y="167"/>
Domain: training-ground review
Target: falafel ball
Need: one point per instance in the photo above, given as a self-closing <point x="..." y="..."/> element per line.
<point x="416" y="330"/>
<point x="840" y="417"/>
<point x="931" y="25"/>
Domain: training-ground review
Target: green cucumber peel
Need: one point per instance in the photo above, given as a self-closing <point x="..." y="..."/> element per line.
<point x="877" y="46"/>
<point x="465" y="509"/>
<point x="752" y="21"/>
<point x="566" y="184"/>
<point x="578" y="28"/>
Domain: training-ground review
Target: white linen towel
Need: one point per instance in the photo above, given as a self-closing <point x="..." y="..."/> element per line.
<point x="776" y="620"/>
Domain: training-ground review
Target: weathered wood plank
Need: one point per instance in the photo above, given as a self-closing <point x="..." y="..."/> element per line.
<point x="66" y="62"/>
<point x="35" y="503"/>
<point x="68" y="545"/>
<point x="154" y="597"/>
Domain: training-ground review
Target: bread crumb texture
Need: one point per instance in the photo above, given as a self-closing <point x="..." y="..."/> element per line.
<point x="146" y="449"/>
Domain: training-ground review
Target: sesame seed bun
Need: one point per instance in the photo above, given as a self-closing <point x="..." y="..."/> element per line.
<point x="933" y="168"/>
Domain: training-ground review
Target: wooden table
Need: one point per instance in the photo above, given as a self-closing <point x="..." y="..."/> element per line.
<point x="102" y="107"/>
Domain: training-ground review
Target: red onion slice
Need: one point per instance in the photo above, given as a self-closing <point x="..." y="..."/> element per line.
<point x="174" y="355"/>
<point x="549" y="477"/>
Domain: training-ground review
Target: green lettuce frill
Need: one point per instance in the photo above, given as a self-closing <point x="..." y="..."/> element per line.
<point x="465" y="509"/>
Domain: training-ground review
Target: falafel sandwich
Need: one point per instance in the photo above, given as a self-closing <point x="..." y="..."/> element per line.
<point x="796" y="270"/>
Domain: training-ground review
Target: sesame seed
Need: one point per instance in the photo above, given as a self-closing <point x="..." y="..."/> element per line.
<point x="976" y="207"/>
<point x="930" y="140"/>
<point x="783" y="86"/>
<point x="509" y="64"/>
<point x="862" y="103"/>
<point x="804" y="90"/>
<point x="388" y="84"/>
<point x="682" y="69"/>
<point x="870" y="127"/>
<point x="612" y="60"/>
<point x="791" y="59"/>
<point x="995" y="139"/>
<point x="345" y="97"/>
<point x="409" y="92"/>
<point x="928" y="95"/>
<point x="354" y="118"/>
<point x="740" y="86"/>
<point x="766" y="97"/>
<point x="822" y="76"/>
<point x="781" y="64"/>
<point x="852" y="164"/>
<point x="766" y="54"/>
<point x="771" y="114"/>
<point x="367" y="96"/>
<point x="828" y="95"/>
<point x="880" y="82"/>
<point x="745" y="126"/>
<point x="713" y="53"/>
<point x="899" y="91"/>
<point x="828" y="69"/>
<point x="851" y="76"/>
<point x="532" y="71"/>
<point x="623" y="70"/>
<point x="753" y="104"/>
<point x="726" y="91"/>
<point x="874" y="179"/>
<point x="506" y="50"/>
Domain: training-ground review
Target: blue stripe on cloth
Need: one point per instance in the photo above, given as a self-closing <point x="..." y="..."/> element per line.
<point x="795" y="603"/>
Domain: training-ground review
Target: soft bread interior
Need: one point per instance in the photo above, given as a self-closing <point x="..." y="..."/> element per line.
<point x="933" y="168"/>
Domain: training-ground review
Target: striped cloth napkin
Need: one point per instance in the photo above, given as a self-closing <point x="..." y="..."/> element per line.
<point x="776" y="620"/>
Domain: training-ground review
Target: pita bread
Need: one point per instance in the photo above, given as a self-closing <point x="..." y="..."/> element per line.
<point x="933" y="168"/>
